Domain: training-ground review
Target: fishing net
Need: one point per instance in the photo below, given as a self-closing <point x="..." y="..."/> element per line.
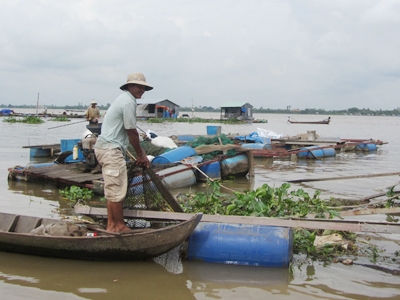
<point x="149" y="148"/>
<point x="221" y="139"/>
<point x="147" y="192"/>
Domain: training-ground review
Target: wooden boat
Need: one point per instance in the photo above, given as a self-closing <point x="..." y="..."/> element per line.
<point x="326" y="121"/>
<point x="15" y="237"/>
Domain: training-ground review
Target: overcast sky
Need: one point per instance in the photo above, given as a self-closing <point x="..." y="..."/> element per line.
<point x="328" y="54"/>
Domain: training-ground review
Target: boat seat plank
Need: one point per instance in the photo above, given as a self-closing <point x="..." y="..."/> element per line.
<point x="26" y="224"/>
<point x="8" y="221"/>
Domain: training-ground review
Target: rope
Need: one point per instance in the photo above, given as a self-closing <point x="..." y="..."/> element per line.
<point x="212" y="180"/>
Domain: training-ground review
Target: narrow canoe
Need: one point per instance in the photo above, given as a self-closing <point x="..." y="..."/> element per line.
<point x="326" y="121"/>
<point x="15" y="237"/>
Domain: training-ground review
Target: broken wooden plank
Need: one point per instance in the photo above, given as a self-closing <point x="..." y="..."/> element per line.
<point x="344" y="225"/>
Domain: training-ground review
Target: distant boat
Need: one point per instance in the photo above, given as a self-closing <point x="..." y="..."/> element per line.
<point x="75" y="110"/>
<point x="326" y="121"/>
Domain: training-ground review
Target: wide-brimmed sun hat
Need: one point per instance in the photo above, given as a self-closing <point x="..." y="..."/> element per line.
<point x="137" y="78"/>
<point x="93" y="102"/>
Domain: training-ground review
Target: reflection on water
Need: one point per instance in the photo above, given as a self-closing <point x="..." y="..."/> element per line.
<point x="44" y="278"/>
<point x="38" y="189"/>
<point x="127" y="280"/>
<point x="93" y="280"/>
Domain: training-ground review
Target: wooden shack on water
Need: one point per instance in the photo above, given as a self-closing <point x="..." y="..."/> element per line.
<point x="237" y="110"/>
<point x="160" y="109"/>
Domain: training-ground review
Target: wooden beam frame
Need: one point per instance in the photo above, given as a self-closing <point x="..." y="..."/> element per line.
<point x="344" y="225"/>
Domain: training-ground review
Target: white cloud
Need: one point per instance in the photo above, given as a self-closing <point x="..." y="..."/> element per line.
<point x="328" y="54"/>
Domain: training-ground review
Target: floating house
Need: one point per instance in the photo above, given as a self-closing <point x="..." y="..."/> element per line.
<point x="237" y="110"/>
<point x="161" y="109"/>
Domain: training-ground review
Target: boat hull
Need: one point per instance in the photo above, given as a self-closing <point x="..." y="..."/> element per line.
<point x="321" y="122"/>
<point x="136" y="246"/>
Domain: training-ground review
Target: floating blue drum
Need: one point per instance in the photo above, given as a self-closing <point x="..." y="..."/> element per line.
<point x="235" y="166"/>
<point x="212" y="170"/>
<point x="315" y="151"/>
<point x="365" y="147"/>
<point x="213" y="130"/>
<point x="241" y="244"/>
<point x="177" y="177"/>
<point x="174" y="155"/>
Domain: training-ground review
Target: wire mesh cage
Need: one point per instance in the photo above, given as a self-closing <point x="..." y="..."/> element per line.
<point x="147" y="192"/>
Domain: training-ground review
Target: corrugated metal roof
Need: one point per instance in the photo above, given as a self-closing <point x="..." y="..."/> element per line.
<point x="235" y="104"/>
<point x="158" y="101"/>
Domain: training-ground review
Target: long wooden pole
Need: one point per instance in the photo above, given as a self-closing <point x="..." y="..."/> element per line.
<point x="345" y="177"/>
<point x="37" y="104"/>
<point x="67" y="124"/>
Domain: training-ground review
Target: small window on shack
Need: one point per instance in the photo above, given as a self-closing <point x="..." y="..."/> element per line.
<point x="151" y="108"/>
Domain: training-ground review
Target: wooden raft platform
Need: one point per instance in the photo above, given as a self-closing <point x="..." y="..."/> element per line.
<point x="331" y="224"/>
<point x="71" y="174"/>
<point x="46" y="150"/>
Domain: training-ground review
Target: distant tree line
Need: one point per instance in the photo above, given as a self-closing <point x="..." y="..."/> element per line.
<point x="79" y="106"/>
<point x="307" y="111"/>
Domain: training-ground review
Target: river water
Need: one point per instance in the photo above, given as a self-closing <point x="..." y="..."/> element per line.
<point x="29" y="277"/>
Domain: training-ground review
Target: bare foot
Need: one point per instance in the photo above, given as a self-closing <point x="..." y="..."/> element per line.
<point x="124" y="229"/>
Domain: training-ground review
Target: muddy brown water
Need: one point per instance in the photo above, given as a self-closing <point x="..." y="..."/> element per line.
<point x="31" y="277"/>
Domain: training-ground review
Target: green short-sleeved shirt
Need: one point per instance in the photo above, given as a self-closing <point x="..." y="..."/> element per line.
<point x="119" y="117"/>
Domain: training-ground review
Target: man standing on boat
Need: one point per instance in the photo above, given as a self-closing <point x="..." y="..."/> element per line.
<point x="117" y="132"/>
<point x="93" y="113"/>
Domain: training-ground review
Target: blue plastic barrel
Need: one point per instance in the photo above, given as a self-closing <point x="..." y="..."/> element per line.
<point x="241" y="244"/>
<point x="365" y="147"/>
<point x="235" y="166"/>
<point x="329" y="152"/>
<point x="68" y="145"/>
<point x="174" y="155"/>
<point x="213" y="130"/>
<point x="212" y="170"/>
<point x="316" y="152"/>
<point x="176" y="177"/>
